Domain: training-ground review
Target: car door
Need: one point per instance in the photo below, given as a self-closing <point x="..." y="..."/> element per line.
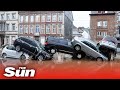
<point x="94" y="51"/>
<point x="85" y="47"/>
<point x="10" y="52"/>
<point x="16" y="54"/>
<point x="65" y="45"/>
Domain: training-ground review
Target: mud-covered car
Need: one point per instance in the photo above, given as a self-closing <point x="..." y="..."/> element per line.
<point x="88" y="47"/>
<point x="56" y="44"/>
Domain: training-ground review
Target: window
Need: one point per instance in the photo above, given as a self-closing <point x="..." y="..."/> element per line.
<point x="42" y="28"/>
<point x="37" y="30"/>
<point x="0" y="27"/>
<point x="13" y="39"/>
<point x="21" y="29"/>
<point x="90" y="45"/>
<point x="119" y="18"/>
<point x="54" y="28"/>
<point x="13" y="15"/>
<point x="43" y="18"/>
<point x="7" y="27"/>
<point x="99" y="23"/>
<point x="26" y="29"/>
<point x="31" y="18"/>
<point x="2" y="16"/>
<point x="48" y="18"/>
<point x="60" y="17"/>
<point x="7" y="40"/>
<point x="31" y="28"/>
<point x="21" y="18"/>
<point x="26" y="18"/>
<point x="48" y="26"/>
<point x="54" y="17"/>
<point x="102" y="24"/>
<point x="13" y="26"/>
<point x="8" y="16"/>
<point x="102" y="34"/>
<point x="37" y="18"/>
<point x="60" y="28"/>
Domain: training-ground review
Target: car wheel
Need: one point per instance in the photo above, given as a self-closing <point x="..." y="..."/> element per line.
<point x="52" y="51"/>
<point x="40" y="58"/>
<point x="22" y="57"/>
<point x="77" y="48"/>
<point x="4" y="55"/>
<point x="79" y="56"/>
<point x="17" y="48"/>
<point x="99" y="59"/>
<point x="112" y="56"/>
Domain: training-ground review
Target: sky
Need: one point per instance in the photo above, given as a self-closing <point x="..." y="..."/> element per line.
<point x="81" y="18"/>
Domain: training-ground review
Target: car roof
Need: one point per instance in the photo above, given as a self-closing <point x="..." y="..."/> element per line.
<point x="84" y="39"/>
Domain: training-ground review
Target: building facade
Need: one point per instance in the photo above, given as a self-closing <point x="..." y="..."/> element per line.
<point x="103" y="23"/>
<point x="8" y="27"/>
<point x="41" y="24"/>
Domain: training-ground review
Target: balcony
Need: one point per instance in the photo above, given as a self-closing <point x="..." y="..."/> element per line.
<point x="2" y="32"/>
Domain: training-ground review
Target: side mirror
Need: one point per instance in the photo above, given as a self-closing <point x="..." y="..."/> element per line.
<point x="37" y="48"/>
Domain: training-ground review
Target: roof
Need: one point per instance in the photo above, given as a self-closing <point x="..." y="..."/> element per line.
<point x="102" y="14"/>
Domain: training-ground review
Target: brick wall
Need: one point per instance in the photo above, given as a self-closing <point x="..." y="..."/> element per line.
<point x="94" y="28"/>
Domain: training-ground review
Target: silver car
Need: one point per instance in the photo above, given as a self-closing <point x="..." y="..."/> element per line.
<point x="88" y="47"/>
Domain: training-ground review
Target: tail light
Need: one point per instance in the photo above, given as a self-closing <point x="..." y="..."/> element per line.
<point x="46" y="43"/>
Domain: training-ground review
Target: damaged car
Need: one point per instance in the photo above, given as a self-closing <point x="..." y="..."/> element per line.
<point x="108" y="46"/>
<point x="57" y="44"/>
<point x="88" y="47"/>
<point x="31" y="47"/>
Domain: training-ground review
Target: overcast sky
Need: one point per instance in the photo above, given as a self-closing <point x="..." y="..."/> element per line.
<point x="81" y="18"/>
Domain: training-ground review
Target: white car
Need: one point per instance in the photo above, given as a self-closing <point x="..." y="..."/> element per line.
<point x="9" y="52"/>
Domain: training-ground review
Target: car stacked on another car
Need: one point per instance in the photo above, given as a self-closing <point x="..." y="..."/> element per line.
<point x="88" y="47"/>
<point x="57" y="44"/>
<point x="31" y="47"/>
<point x="108" y="45"/>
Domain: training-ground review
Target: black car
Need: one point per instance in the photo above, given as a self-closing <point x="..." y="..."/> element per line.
<point x="31" y="47"/>
<point x="56" y="44"/>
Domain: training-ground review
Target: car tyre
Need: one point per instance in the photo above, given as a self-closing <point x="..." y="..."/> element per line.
<point x="79" y="56"/>
<point x="17" y="48"/>
<point x="99" y="59"/>
<point x="22" y="57"/>
<point x="52" y="51"/>
<point x="77" y="48"/>
<point x="40" y="58"/>
<point x="4" y="55"/>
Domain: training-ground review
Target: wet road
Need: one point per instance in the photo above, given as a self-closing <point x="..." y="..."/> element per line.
<point x="62" y="66"/>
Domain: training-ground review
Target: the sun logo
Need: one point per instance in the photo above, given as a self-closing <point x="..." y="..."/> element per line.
<point x="20" y="72"/>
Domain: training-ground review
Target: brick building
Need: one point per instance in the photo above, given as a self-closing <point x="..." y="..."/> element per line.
<point x="103" y="23"/>
<point x="41" y="24"/>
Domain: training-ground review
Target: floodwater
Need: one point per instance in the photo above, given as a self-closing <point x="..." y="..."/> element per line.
<point x="61" y="67"/>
